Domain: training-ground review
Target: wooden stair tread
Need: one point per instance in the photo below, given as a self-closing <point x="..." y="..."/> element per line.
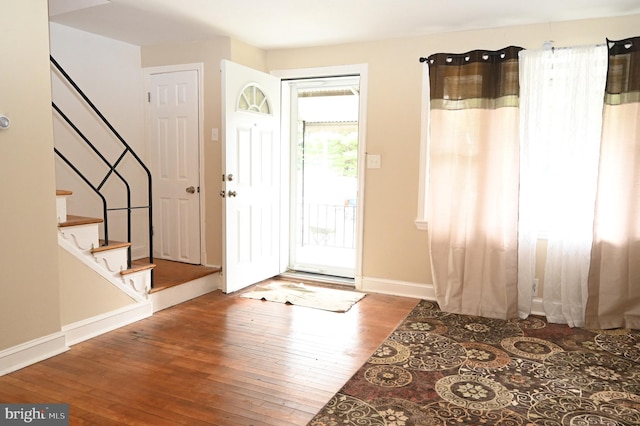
<point x="60" y="192"/>
<point x="169" y="273"/>
<point x="111" y="246"/>
<point x="79" y="220"/>
<point x="137" y="268"/>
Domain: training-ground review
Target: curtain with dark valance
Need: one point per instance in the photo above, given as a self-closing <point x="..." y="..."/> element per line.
<point x="476" y="79"/>
<point x="472" y="206"/>
<point x="614" y="275"/>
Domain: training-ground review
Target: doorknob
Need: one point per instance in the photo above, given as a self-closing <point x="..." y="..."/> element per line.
<point x="232" y="193"/>
<point x="190" y="190"/>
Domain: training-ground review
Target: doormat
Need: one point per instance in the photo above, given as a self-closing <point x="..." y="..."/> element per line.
<point x="299" y="294"/>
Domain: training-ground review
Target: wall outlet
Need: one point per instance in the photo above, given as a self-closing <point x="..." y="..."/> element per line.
<point x="534" y="286"/>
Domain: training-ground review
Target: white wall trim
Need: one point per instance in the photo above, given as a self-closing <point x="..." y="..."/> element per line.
<point x="418" y="291"/>
<point x="91" y="327"/>
<point x="536" y="307"/>
<point x="423" y="176"/>
<point x="397" y="288"/>
<point x="181" y="293"/>
<point x="422" y="224"/>
<point x="25" y="354"/>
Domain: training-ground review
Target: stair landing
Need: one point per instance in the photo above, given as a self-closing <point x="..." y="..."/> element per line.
<point x="168" y="273"/>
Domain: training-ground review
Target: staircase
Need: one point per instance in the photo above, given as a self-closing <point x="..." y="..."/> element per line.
<point x="80" y="236"/>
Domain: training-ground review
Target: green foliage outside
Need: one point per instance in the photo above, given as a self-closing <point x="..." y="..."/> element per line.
<point x="334" y="147"/>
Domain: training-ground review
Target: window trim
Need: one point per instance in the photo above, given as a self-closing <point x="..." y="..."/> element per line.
<point x="421" y="221"/>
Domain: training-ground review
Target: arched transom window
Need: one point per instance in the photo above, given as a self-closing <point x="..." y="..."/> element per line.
<point x="254" y="99"/>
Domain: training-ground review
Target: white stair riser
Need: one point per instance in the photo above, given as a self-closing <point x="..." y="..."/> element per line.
<point x="85" y="237"/>
<point x="114" y="260"/>
<point x="140" y="281"/>
<point x="61" y="208"/>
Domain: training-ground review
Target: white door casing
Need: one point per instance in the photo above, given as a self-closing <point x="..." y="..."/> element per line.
<point x="174" y="148"/>
<point x="361" y="70"/>
<point x="336" y="258"/>
<point x="251" y="176"/>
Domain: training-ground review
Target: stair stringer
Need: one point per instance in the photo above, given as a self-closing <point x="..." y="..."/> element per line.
<point x="136" y="285"/>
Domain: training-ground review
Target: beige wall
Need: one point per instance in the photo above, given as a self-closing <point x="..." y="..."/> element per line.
<point x="29" y="281"/>
<point x="394" y="248"/>
<point x="248" y="55"/>
<point x="84" y="293"/>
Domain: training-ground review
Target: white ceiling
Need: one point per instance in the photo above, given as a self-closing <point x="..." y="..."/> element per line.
<point x="274" y="24"/>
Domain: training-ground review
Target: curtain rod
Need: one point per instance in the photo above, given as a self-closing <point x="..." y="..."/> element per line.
<point x="548" y="45"/>
<point x="485" y="53"/>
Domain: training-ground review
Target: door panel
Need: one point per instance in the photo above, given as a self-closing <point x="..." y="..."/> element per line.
<point x="251" y="166"/>
<point x="174" y="117"/>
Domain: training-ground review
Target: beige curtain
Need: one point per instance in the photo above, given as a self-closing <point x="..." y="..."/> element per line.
<point x="614" y="276"/>
<point x="473" y="181"/>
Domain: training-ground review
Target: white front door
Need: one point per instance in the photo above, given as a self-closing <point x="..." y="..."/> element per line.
<point x="251" y="176"/>
<point x="174" y="152"/>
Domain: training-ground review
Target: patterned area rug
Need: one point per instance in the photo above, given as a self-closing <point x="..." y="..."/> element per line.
<point x="445" y="369"/>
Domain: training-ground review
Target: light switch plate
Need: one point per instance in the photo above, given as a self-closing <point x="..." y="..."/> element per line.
<point x="373" y="161"/>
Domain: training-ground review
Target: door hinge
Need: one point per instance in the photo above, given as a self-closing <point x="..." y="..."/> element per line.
<point x="149" y="97"/>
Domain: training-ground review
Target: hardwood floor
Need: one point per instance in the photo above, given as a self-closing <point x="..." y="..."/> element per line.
<point x="218" y="359"/>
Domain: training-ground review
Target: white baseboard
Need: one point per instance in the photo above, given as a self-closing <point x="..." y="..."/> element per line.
<point x="419" y="291"/>
<point x="91" y="327"/>
<point x="536" y="307"/>
<point x="171" y="296"/>
<point x="396" y="288"/>
<point x="28" y="353"/>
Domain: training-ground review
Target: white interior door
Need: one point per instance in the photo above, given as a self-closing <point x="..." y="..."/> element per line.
<point x="251" y="176"/>
<point x="174" y="148"/>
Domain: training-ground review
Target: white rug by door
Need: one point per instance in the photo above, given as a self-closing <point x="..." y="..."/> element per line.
<point x="327" y="299"/>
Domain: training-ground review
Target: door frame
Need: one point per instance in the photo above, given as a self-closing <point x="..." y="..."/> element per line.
<point x="167" y="69"/>
<point x="323" y="72"/>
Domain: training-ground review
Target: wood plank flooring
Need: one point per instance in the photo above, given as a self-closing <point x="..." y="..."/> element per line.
<point x="215" y="360"/>
<point x="168" y="273"/>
